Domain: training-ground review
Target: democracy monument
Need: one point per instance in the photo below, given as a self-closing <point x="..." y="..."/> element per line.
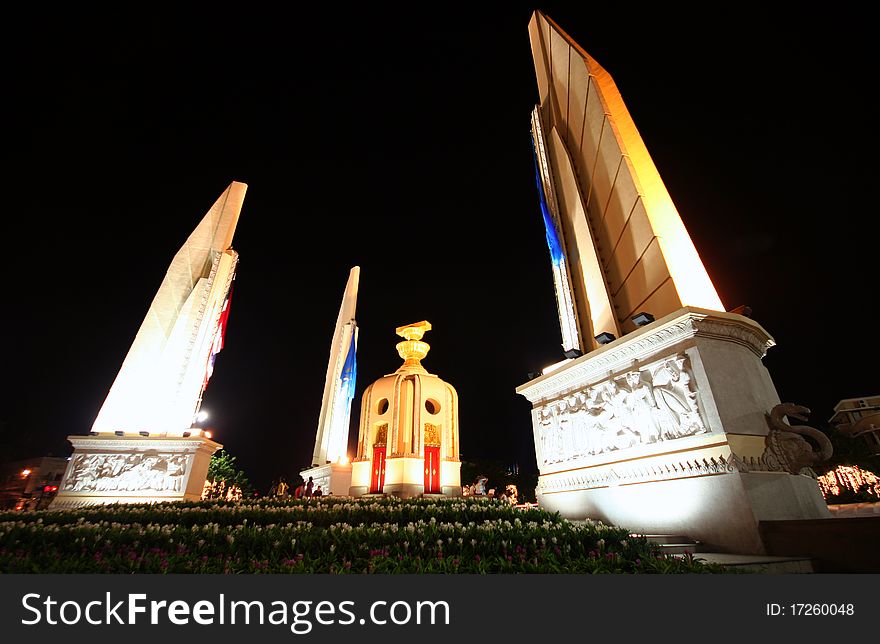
<point x="662" y="417"/>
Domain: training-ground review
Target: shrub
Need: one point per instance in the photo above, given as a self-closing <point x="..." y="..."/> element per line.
<point x="330" y="535"/>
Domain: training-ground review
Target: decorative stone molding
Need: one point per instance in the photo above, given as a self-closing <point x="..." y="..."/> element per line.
<point x="785" y="450"/>
<point x="102" y="442"/>
<point x="589" y="479"/>
<point x="381" y="435"/>
<point x="647" y="343"/>
<point x="750" y="335"/>
<point x="653" y="404"/>
<point x="139" y="469"/>
<point x="143" y="472"/>
<point x="432" y="435"/>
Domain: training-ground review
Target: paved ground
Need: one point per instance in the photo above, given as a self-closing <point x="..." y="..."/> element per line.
<point x="759" y="563"/>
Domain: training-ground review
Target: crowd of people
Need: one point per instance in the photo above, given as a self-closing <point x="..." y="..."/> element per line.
<point x="305" y="490"/>
<point x="479" y="488"/>
<point x="308" y="490"/>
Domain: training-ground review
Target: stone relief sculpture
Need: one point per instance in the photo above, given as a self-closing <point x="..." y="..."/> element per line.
<point x="127" y="473"/>
<point x="786" y="448"/>
<point x="638" y="407"/>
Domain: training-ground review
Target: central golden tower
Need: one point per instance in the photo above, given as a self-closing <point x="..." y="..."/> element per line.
<point x="408" y="440"/>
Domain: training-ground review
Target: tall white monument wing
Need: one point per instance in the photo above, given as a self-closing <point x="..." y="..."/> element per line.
<point x="159" y="385"/>
<point x="331" y="440"/>
<point x="623" y="247"/>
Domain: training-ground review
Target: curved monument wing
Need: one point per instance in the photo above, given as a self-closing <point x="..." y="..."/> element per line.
<point x="627" y="246"/>
<point x="331" y="439"/>
<point x="161" y="379"/>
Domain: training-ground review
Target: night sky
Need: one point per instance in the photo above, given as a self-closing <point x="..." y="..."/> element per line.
<point x="399" y="141"/>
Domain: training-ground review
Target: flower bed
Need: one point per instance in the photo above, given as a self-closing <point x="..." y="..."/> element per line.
<point x="323" y="536"/>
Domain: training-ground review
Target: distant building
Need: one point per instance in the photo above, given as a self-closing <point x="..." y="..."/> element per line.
<point x="30" y="484"/>
<point x="856" y="417"/>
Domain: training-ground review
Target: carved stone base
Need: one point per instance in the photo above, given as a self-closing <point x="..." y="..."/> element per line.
<point x="334" y="478"/>
<point x="134" y="469"/>
<point x="654" y="431"/>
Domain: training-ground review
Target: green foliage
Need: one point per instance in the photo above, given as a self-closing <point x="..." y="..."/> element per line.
<point x="324" y="536"/>
<point x="223" y="468"/>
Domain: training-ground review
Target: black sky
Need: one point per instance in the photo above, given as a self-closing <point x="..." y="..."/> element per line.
<point x="399" y="141"/>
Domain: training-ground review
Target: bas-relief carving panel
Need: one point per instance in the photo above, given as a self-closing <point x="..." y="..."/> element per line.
<point x="643" y="406"/>
<point x="144" y="472"/>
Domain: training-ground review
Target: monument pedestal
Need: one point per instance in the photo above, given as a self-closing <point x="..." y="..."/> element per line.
<point x="334" y="478"/>
<point x="134" y="469"/>
<point x="402" y="477"/>
<point x="665" y="431"/>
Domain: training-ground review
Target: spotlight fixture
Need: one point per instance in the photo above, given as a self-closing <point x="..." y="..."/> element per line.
<point x="641" y="319"/>
<point x="144" y="433"/>
<point x="605" y="337"/>
<point x="533" y="374"/>
<point x="573" y="353"/>
<point x="186" y="434"/>
<point x="119" y="432"/>
<point x="93" y="433"/>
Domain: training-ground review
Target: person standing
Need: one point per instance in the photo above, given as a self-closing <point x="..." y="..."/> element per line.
<point x="309" y="485"/>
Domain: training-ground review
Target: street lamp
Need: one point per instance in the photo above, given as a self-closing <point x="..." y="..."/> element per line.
<point x="25" y="473"/>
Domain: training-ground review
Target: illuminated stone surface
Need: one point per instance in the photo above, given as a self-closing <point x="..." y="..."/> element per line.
<point x="331" y="468"/>
<point x="331" y="440"/>
<point x="626" y="247"/>
<point x="139" y="452"/>
<point x="664" y="431"/>
<point x="161" y="380"/>
<point x="134" y="469"/>
<point x="408" y="439"/>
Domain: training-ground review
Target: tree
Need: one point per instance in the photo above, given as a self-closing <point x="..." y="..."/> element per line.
<point x="222" y="469"/>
